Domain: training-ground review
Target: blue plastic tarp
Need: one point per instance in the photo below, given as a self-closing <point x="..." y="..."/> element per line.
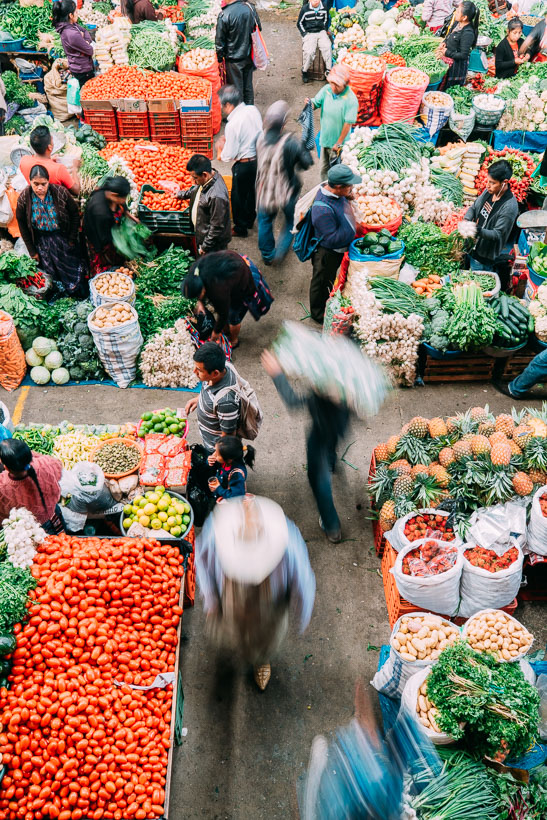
<point x="534" y="141"/>
<point x="109" y="383"/>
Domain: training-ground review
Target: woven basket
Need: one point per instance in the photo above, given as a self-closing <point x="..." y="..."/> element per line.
<point x="485" y="117"/>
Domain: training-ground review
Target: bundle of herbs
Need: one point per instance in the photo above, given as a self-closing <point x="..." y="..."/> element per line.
<point x="430" y="250"/>
<point x="164" y="275"/>
<point x="473" y="322"/>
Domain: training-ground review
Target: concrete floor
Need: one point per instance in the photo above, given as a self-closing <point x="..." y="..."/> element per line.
<point x="245" y="751"/>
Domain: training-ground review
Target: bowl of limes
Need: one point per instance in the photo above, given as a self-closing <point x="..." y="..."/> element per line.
<point x="165" y="421"/>
<point x="162" y="513"/>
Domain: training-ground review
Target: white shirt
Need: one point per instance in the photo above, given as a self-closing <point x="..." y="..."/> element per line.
<point x="242" y="130"/>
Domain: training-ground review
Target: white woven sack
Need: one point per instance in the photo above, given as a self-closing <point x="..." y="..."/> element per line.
<point x="391" y="679"/>
<point x="438" y="593"/>
<point x="462" y="124"/>
<point x="480" y="588"/>
<point x="97" y="298"/>
<point x="537" y="528"/>
<point x="409" y="702"/>
<point x="506" y="614"/>
<point x="435" y="116"/>
<point x="118" y="347"/>
<point x="397" y="537"/>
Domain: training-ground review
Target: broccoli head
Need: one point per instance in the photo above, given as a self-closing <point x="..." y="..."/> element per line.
<point x="439" y="321"/>
<point x="76" y="373"/>
<point x="80" y="328"/>
<point x="84" y="309"/>
<point x="432" y="305"/>
<point x="439" y="341"/>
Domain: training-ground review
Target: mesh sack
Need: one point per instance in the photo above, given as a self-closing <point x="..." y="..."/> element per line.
<point x="13" y="365"/>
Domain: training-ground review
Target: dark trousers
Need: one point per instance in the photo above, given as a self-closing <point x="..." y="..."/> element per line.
<point x="84" y="77"/>
<point x="321" y="461"/>
<point x="325" y="264"/>
<point x="240" y="74"/>
<point x="243" y="195"/>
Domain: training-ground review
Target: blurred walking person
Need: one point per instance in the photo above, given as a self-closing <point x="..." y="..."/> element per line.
<point x="252" y="565"/>
<point x="279" y="156"/>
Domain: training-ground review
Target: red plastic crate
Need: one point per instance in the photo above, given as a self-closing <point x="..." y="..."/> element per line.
<point x="190" y="574"/>
<point x="196" y="146"/>
<point x="133" y="125"/>
<point x="104" y="122"/>
<point x="165" y="127"/>
<point x="196" y="126"/>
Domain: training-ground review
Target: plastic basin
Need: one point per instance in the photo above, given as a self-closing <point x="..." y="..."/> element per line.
<point x="536" y="278"/>
<point x="154" y="533"/>
<point x="438" y="354"/>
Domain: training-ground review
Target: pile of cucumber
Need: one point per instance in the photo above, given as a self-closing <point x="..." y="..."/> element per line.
<point x="515" y="321"/>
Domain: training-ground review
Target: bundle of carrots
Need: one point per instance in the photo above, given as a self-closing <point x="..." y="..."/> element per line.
<point x="163" y="202"/>
<point x="129" y="82"/>
<point x="78" y="741"/>
<point x="427" y="285"/>
<point x="152" y="162"/>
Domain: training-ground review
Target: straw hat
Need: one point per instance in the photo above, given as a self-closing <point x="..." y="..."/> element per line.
<point x="251" y="537"/>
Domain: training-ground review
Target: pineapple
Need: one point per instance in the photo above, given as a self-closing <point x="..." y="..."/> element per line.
<point x="468" y="437"/>
<point x="387" y="517"/>
<point x="437" y="427"/>
<point x="392" y="444"/>
<point x="419" y="469"/>
<point x="500" y="454"/>
<point x="461" y="449"/>
<point x="404" y="429"/>
<point x="486" y="428"/>
<point x="522" y="484"/>
<point x="479" y="414"/>
<point x="418" y="427"/>
<point x="505" y="424"/>
<point x="535" y="453"/>
<point x="401" y="466"/>
<point x="523" y="434"/>
<point x="452" y="424"/>
<point x="479" y="445"/>
<point x="498" y="438"/>
<point x="446" y="456"/>
<point x="538" y="426"/>
<point x="515" y="449"/>
<point x="402" y="486"/>
<point x="441" y="475"/>
<point x="381" y="453"/>
<point x="426" y="491"/>
<point x="538" y="477"/>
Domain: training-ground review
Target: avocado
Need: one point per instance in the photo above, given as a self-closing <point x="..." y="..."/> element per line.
<point x="377" y="250"/>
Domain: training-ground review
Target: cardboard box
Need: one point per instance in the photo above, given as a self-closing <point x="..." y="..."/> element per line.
<point x="163" y="106"/>
<point x="197" y="106"/>
<point x="97" y="105"/>
<point x="131" y="106"/>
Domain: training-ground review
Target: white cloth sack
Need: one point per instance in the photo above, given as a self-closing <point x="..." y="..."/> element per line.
<point x="304" y="204"/>
<point x="462" y="124"/>
<point x="480" y="588"/>
<point x="118" y="347"/>
<point x="97" y="298"/>
<point x="506" y="614"/>
<point x="438" y="593"/>
<point x="435" y="116"/>
<point x="6" y="213"/>
<point x="537" y="529"/>
<point x="391" y="679"/>
<point x="397" y="537"/>
<point x="409" y="701"/>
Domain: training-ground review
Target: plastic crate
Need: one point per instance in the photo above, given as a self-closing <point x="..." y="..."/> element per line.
<point x="133" y="125"/>
<point x="199" y="146"/>
<point x="12" y="45"/>
<point x="190" y="574"/>
<point x="164" y="221"/>
<point x="165" y="127"/>
<point x="378" y="535"/>
<point x="196" y="126"/>
<point x="397" y="606"/>
<point x="102" y="121"/>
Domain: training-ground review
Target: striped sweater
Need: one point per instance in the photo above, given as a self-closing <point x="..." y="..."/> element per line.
<point x="311" y="20"/>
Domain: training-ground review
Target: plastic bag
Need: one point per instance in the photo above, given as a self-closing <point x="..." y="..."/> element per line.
<point x="397" y="537"/>
<point x="462" y="124"/>
<point x="541" y="686"/>
<point x="130" y="238"/>
<point x="73" y="96"/>
<point x="13" y="365"/>
<point x="480" y="587"/>
<point x="409" y="701"/>
<point x="391" y="679"/>
<point x="537" y="529"/>
<point x="88" y="493"/>
<point x="506" y="615"/>
<point x="438" y="593"/>
<point x="6" y="211"/>
<point x="491" y="526"/>
<point x="118" y="347"/>
<point x="339" y="315"/>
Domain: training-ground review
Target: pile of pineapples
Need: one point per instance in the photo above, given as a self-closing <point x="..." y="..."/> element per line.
<point x="470" y="460"/>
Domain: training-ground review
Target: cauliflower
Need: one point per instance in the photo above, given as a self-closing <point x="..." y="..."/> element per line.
<point x="538" y="117"/>
<point x="541" y="328"/>
<point x="536" y="308"/>
<point x="542" y="295"/>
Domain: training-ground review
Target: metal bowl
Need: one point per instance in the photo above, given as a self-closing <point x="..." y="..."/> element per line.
<point x="155" y="533"/>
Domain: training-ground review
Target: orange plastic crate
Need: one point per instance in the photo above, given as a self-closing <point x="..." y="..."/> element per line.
<point x="104" y="122"/>
<point x="199" y="146"/>
<point x="190" y="574"/>
<point x="133" y="125"/>
<point x="397" y="606"/>
<point x="165" y="127"/>
<point x="379" y="540"/>
<point x="196" y="126"/>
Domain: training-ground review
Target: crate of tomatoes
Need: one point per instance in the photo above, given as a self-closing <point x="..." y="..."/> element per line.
<point x="162" y="211"/>
<point x="490" y="577"/>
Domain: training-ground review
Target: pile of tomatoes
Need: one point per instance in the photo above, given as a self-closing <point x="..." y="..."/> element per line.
<point x="122" y="82"/>
<point x="163" y="202"/>
<point x="543" y="505"/>
<point x="153" y="162"/>
<point x="78" y="741"/>
<point x="490" y="560"/>
<point x="431" y="558"/>
<point x="393" y="59"/>
<point x="173" y="13"/>
<point x="423" y="524"/>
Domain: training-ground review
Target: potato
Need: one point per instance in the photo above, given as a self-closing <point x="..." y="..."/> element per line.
<point x="422" y="703"/>
<point x="407" y="656"/>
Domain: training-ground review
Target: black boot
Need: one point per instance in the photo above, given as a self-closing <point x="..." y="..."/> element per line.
<point x="305" y="78"/>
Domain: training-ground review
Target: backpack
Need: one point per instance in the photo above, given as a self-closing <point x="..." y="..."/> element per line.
<point x="250" y="413"/>
<point x="261" y="300"/>
<point x="306" y="241"/>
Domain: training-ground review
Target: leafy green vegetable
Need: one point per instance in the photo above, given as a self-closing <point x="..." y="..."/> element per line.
<point x="463" y="99"/>
<point x="148" y="49"/>
<point x="165" y="274"/>
<point x="16" y="91"/>
<point x="414" y="46"/>
<point x="449" y="185"/>
<point x="93" y="165"/>
<point x="155" y="317"/>
<point x="26" y="21"/>
<point x="429" y="249"/>
<point x="52" y="322"/>
<point x="488" y="704"/>
<point x="393" y="148"/>
<point x="130" y="239"/>
<point x="396" y="297"/>
<point x="25" y="310"/>
<point x="473" y="322"/>
<point x="16" y="125"/>
<point x="15" y="584"/>
<point x="426" y="61"/>
<point x="14" y="267"/>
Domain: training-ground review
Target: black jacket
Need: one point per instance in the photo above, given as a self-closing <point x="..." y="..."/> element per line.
<point x="236" y="22"/>
<point x="68" y="216"/>
<point x="459" y="43"/>
<point x="312" y="20"/>
<point x="213" y="227"/>
<point x="505" y="59"/>
<point x="296" y="157"/>
<point x="496" y="230"/>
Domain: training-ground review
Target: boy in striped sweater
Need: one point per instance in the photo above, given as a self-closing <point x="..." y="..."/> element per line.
<point x="313" y="22"/>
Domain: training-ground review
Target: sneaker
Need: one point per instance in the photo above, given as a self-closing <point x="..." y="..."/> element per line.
<point x="504" y="388"/>
<point x="335" y="536"/>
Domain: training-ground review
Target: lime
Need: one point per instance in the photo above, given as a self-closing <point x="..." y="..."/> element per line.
<point x="173" y="428"/>
<point x="168" y="412"/>
<point x="160" y="490"/>
<point x="178" y="519"/>
<point x="186" y="520"/>
<point x="186" y="508"/>
<point x="176" y="532"/>
<point x="155" y="524"/>
<point x="153" y="497"/>
<point x="171" y="420"/>
<point x="155" y="418"/>
<point x="144" y="520"/>
<point x="141" y="433"/>
<point x="146" y="416"/>
<point x="172" y="521"/>
<point x="171" y="510"/>
<point x="149" y="509"/>
<point x="127" y="523"/>
<point x="163" y="503"/>
<point x="128" y="509"/>
<point x="163" y="516"/>
<point x="158" y="428"/>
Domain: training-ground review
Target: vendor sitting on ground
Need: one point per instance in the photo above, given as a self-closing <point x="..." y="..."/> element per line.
<point x="41" y="143"/>
<point x="30" y="480"/>
<point x="508" y="59"/>
<point x="105" y="209"/>
<point x="313" y="23"/>
<point x="494" y="214"/>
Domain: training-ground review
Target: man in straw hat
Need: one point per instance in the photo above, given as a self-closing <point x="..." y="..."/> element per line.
<point x="251" y="564"/>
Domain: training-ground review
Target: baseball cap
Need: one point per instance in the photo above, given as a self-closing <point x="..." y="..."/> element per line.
<point x="342" y="175"/>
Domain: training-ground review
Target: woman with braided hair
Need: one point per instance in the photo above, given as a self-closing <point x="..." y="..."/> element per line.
<point x="30" y="480"/>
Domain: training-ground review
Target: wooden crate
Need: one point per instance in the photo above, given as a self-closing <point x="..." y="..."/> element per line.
<point x="466" y="368"/>
<point x="318" y="68"/>
<point x="516" y="364"/>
